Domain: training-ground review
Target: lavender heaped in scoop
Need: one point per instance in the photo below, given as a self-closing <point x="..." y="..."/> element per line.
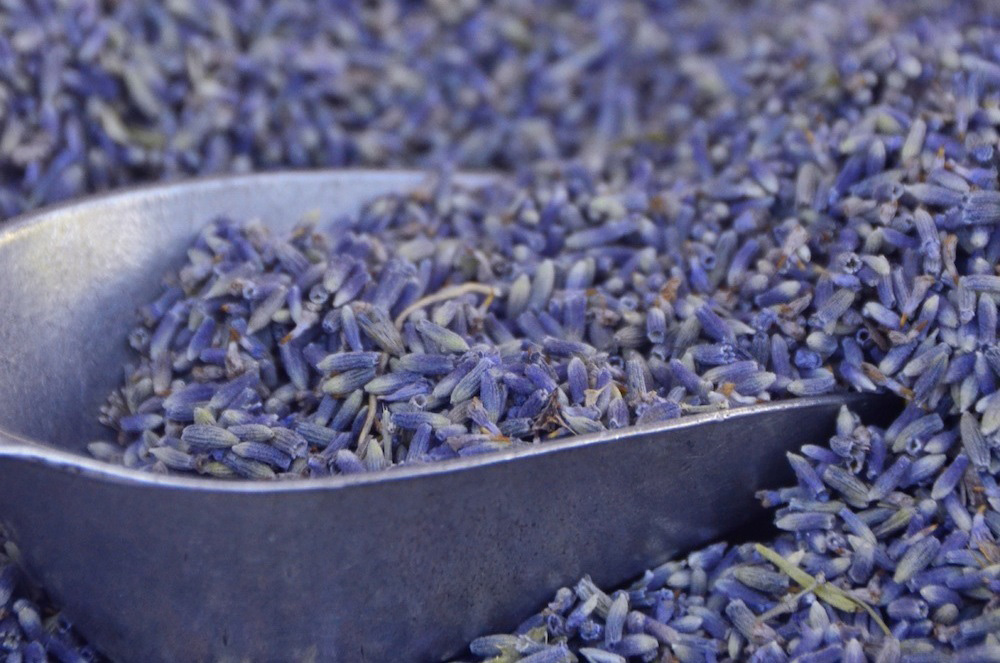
<point x="440" y="324"/>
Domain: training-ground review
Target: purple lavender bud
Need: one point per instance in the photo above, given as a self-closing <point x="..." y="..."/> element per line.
<point x="804" y="521"/>
<point x="618" y="415"/>
<point x="263" y="453"/>
<point x="347" y="462"/>
<point x="807" y="476"/>
<point x="247" y="468"/>
<point x="833" y="308"/>
<point x="264" y="311"/>
<point x="747" y="623"/>
<point x="713" y="354"/>
<point x="165" y="331"/>
<point x="542" y="285"/>
<point x="659" y="412"/>
<point x="338" y="269"/>
<point x="202" y="338"/>
<point x="656" y="325"/>
<point x="388" y="383"/>
<point x="376" y="324"/>
<point x="414" y="420"/>
<point x="426" y="364"/>
<point x="907" y="608"/>
<point x="316" y="435"/>
<point x="175" y="459"/>
<point x="540" y="377"/>
<point x="349" y="328"/>
<point x="981" y="207"/>
<point x="713" y="325"/>
<point x="916" y="558"/>
<point x="812" y="386"/>
<point x="351" y="288"/>
<point x="348" y="410"/>
<point x="636" y="645"/>
<point x="974" y="442"/>
<point x="934" y="195"/>
<point x="592" y="655"/>
<point x="347" y="382"/>
<point x="445" y="339"/>
<point x="981" y="283"/>
<point x="289" y="442"/>
<point x="295" y="365"/>
<point x="203" y="436"/>
<point x="578" y="379"/>
<point x="854" y="491"/>
<point x="419" y="443"/>
<point x="469" y="385"/>
<point x="339" y="362"/>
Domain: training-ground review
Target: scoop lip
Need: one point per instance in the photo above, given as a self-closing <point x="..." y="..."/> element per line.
<point x="15" y="446"/>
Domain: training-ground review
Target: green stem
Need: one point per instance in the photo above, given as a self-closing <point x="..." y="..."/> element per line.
<point x="830" y="594"/>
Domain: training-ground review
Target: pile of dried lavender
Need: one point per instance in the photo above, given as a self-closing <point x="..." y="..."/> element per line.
<point x="96" y="95"/>
<point x="807" y="201"/>
<point x="887" y="557"/>
<point x="889" y="187"/>
<point x="449" y="324"/>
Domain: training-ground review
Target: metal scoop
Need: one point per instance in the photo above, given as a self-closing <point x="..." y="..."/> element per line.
<point x="406" y="565"/>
